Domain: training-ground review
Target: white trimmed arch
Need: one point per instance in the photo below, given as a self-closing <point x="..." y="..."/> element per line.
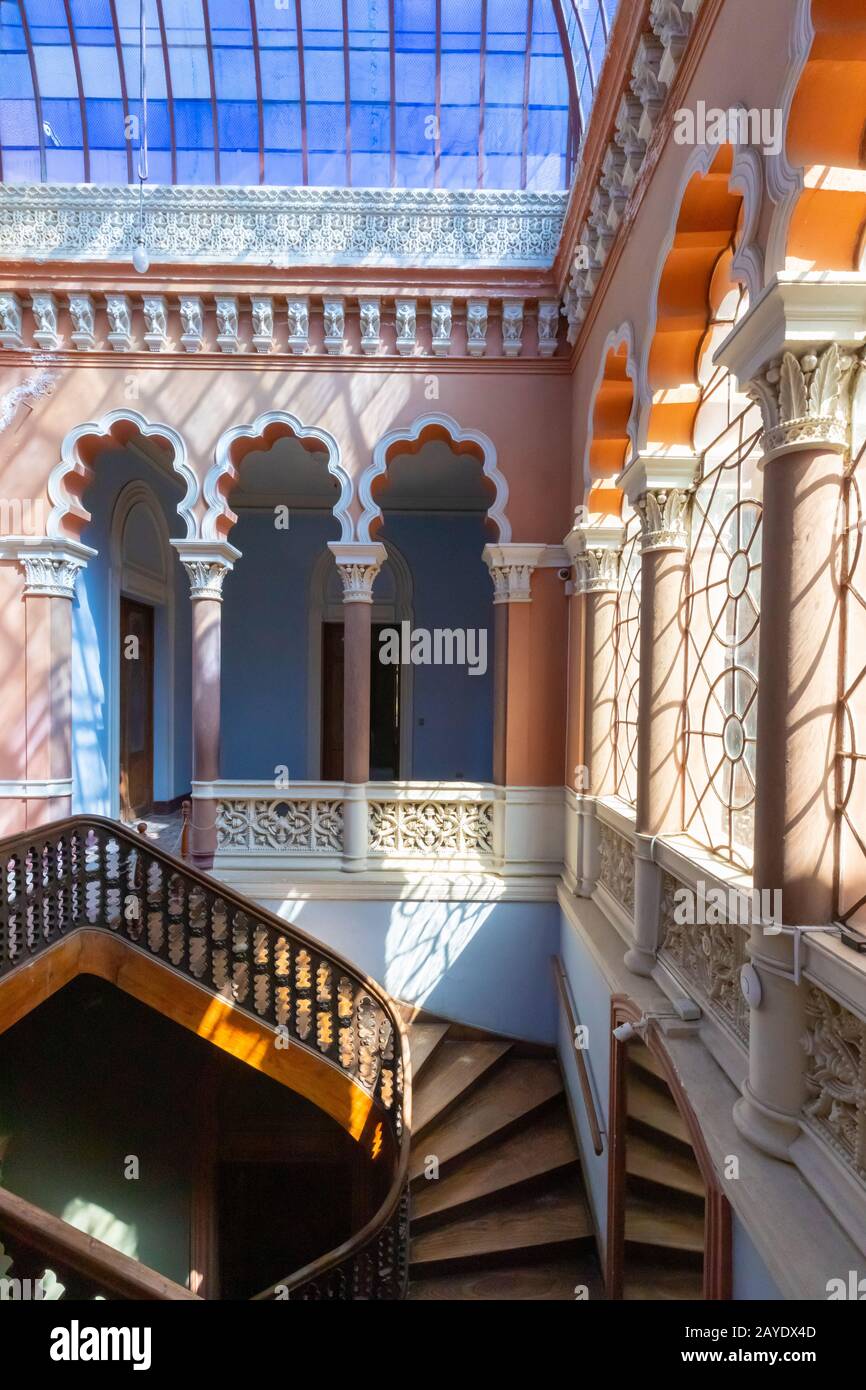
<point x="219" y="518"/>
<point x="410" y="434"/>
<point x="623" y="336"/>
<point x="66" y="504"/>
<point x="747" y="179"/>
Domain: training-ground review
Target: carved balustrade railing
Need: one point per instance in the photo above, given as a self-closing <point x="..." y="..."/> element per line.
<point x="94" y="874"/>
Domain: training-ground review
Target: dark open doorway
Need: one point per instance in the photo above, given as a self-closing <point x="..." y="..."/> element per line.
<point x="385" y="710"/>
<point x="136" y="707"/>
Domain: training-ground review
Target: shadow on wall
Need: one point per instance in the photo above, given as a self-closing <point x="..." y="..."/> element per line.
<point x="481" y="963"/>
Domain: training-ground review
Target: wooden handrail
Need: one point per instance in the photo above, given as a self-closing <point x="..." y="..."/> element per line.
<point x="108" y="1269"/>
<point x="46" y="890"/>
<point x="582" y="1070"/>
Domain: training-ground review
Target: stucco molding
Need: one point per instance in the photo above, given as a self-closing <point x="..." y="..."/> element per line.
<point x="219" y="518"/>
<point x="50" y="567"/>
<point x="371" y="512"/>
<point x="448" y="228"/>
<point x="618" y="337"/>
<point x="746" y="178"/>
<point x="358" y="563"/>
<point x="785" y="181"/>
<point x="207" y="562"/>
<point x="66" y="504"/>
<point x="511" y="568"/>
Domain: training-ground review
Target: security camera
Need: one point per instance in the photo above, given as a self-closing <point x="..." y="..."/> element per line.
<point x="625" y="1032"/>
<point x="565" y="573"/>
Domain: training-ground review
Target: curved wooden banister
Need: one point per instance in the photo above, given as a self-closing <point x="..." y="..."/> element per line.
<point x="72" y="1253"/>
<point x="90" y="874"/>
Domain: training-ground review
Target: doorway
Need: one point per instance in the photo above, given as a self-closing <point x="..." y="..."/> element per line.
<point x="385" y="712"/>
<point x="136" y="707"/>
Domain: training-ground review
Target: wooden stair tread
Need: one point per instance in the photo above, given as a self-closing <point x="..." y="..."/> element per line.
<point x="455" y="1067"/>
<point x="640" y="1056"/>
<point x="648" y="1159"/>
<point x="655" y="1108"/>
<point x="551" y="1281"/>
<point x="517" y="1088"/>
<point x="548" y="1219"/>
<point x="546" y="1146"/>
<point x="424" y="1038"/>
<point x="653" y="1223"/>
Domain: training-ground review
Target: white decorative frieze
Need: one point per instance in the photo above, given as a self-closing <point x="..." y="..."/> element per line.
<point x="284" y="825"/>
<point x="548" y="326"/>
<point x="406" y="316"/>
<point x="334" y="323"/>
<point x="45" y="334"/>
<point x="262" y="307"/>
<point x="298" y="314"/>
<point x="430" y="828"/>
<point x="629" y="139"/>
<point x="119" y="311"/>
<point x="512" y="327"/>
<point x="646" y="83"/>
<point x="448" y="228"/>
<point x="155" y="307"/>
<point x="10" y="321"/>
<point x="192" y="323"/>
<point x="83" y="316"/>
<point x="476" y="327"/>
<point x="671" y="23"/>
<point x="228" y="334"/>
<point x="370" y="319"/>
<point x="441" y="323"/>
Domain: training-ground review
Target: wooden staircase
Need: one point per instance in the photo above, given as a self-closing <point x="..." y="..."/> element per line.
<point x="665" y="1193"/>
<point x="506" y="1218"/>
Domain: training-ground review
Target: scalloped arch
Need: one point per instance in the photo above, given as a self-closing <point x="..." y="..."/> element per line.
<point x="733" y="213"/>
<point x="65" y="497"/>
<point x="618" y="339"/>
<point x="219" y="518"/>
<point x="410" y="434"/>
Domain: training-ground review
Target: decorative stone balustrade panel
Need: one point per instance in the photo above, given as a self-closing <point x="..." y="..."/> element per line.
<point x="430" y="828"/>
<point x="708" y="958"/>
<point x="293" y="827"/>
<point x="835" y="1047"/>
<point x="616" y="867"/>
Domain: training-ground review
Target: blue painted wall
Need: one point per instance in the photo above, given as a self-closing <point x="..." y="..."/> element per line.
<point x="481" y="963"/>
<point x="266" y="643"/>
<point x="92" y="778"/>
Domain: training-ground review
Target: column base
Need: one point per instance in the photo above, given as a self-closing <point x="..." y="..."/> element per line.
<point x="771" y="1131"/>
<point x="638" y="961"/>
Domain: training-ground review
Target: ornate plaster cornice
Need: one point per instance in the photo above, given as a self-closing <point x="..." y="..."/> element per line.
<point x="511" y="568"/>
<point x="283" y="226"/>
<point x="207" y="563"/>
<point x="358" y="563"/>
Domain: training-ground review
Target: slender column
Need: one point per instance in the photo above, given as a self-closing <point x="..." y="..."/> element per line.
<point x="511" y="567"/>
<point x="595" y="550"/>
<point x="358" y="564"/>
<point x="50" y="570"/>
<point x="207" y="563"/>
<point x="658" y="489"/>
<point x="805" y="393"/>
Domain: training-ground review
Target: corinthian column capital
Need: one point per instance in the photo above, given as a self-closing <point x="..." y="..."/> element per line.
<point x="658" y="487"/>
<point x="358" y="563"/>
<point x="798" y="352"/>
<point x="206" y="563"/>
<point x="511" y="568"/>
<point x="50" y="566"/>
<point x="595" y="548"/>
